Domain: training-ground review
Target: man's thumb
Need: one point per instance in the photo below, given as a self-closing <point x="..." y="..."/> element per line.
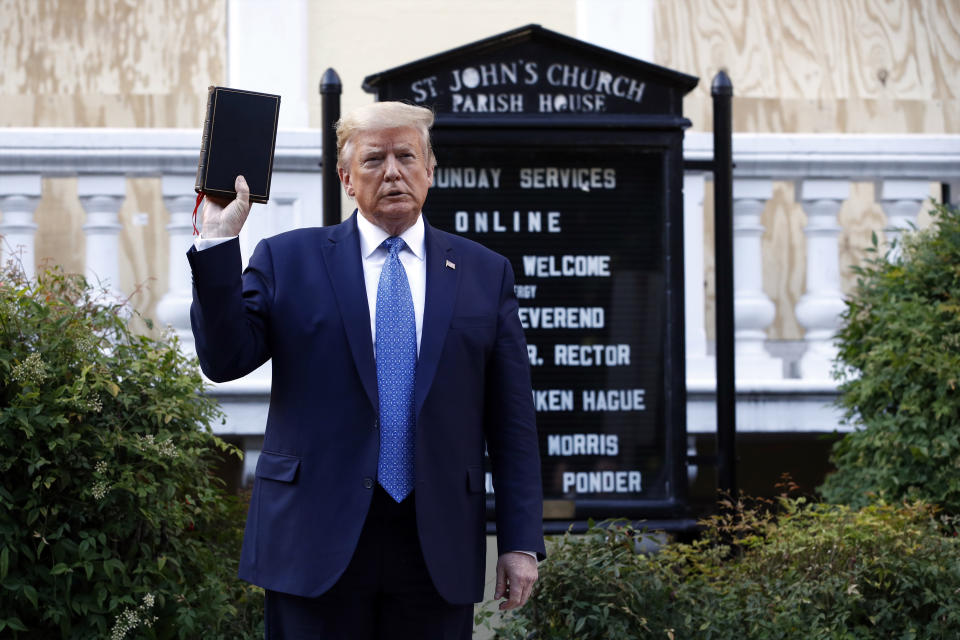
<point x="243" y="190"/>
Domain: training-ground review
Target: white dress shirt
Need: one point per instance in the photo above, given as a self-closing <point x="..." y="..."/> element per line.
<point x="412" y="257"/>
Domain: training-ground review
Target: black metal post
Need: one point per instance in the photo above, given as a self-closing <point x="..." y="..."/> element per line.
<point x="722" y="92"/>
<point x="330" y="90"/>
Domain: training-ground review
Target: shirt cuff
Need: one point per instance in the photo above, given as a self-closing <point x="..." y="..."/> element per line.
<point x="529" y="553"/>
<point x="202" y="243"/>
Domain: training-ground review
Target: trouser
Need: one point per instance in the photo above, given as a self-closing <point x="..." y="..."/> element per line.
<point x="385" y="592"/>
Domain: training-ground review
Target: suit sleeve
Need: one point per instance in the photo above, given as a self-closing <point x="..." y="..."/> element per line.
<point x="230" y="312"/>
<point x="511" y="432"/>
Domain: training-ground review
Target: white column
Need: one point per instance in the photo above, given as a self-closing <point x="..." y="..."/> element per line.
<point x="700" y="366"/>
<point x="753" y="310"/>
<point x="19" y="195"/>
<point x="101" y="197"/>
<point x="820" y="307"/>
<point x="267" y="50"/>
<point x="901" y="201"/>
<point x="174" y="308"/>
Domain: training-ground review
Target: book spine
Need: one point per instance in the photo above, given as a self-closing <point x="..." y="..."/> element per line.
<point x="205" y="141"/>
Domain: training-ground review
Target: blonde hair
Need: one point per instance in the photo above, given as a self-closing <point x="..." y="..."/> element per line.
<point x="384" y="115"/>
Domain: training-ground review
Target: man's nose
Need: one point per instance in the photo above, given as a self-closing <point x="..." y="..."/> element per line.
<point x="392" y="169"/>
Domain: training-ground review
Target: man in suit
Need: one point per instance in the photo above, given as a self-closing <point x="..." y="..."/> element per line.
<point x="398" y="356"/>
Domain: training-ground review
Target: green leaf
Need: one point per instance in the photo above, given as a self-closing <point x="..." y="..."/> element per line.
<point x="31" y="595"/>
<point x="4" y="562"/>
<point x="15" y="624"/>
<point x="59" y="569"/>
<point x="111" y="565"/>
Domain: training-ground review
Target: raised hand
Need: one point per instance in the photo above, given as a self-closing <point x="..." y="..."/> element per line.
<point x="224" y="218"/>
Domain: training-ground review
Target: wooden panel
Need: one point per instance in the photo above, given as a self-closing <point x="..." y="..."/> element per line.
<point x="143" y="259"/>
<point x="784" y="259"/>
<point x="60" y="219"/>
<point x="820" y="65"/>
<point x="90" y="63"/>
<point x="816" y="66"/>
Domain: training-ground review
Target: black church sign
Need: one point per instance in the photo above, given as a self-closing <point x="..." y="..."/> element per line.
<point x="567" y="158"/>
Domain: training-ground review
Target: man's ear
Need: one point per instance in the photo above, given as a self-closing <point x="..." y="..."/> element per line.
<point x="347" y="183"/>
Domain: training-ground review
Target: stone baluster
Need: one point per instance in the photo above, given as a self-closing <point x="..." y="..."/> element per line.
<point x="820" y="307"/>
<point x="753" y="310"/>
<point x="19" y="195"/>
<point x="700" y="366"/>
<point x="174" y="308"/>
<point x="101" y="197"/>
<point x="901" y="201"/>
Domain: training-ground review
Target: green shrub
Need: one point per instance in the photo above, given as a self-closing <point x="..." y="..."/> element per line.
<point x="811" y="572"/>
<point x="112" y="521"/>
<point x="899" y="366"/>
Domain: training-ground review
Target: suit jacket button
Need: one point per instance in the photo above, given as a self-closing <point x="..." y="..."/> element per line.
<point x="368" y="483"/>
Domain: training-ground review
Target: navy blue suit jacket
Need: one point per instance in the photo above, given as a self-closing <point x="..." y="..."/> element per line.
<point x="302" y="302"/>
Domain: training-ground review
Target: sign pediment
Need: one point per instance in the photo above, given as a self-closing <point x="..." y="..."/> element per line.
<point x="532" y="72"/>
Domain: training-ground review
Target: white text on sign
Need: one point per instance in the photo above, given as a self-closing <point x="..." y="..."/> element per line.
<point x="583" y="444"/>
<point x="567" y="266"/>
<point x="601" y="481"/>
<point x="496" y="222"/>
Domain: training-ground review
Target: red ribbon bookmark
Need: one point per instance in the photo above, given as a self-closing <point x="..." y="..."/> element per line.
<point x="196" y="231"/>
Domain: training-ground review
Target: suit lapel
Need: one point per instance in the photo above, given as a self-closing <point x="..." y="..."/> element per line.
<point x="441" y="293"/>
<point x="342" y="258"/>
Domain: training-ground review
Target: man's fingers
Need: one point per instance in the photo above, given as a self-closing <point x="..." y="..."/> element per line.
<point x="224" y="218"/>
<point x="519" y="572"/>
<point x="501" y="587"/>
<point x="518" y="593"/>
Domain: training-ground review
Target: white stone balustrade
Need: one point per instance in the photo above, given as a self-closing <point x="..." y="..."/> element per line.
<point x="822" y="166"/>
<point x="901" y="201"/>
<point x="701" y="366"/>
<point x="19" y="195"/>
<point x="820" y="307"/>
<point x="753" y="310"/>
<point x="174" y="308"/>
<point x="101" y="197"/>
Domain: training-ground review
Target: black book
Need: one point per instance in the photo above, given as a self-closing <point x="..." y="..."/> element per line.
<point x="239" y="138"/>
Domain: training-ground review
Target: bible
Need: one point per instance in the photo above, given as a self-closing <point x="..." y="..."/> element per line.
<point x="239" y="138"/>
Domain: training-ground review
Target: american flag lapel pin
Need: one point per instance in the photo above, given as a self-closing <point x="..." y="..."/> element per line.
<point x="450" y="265"/>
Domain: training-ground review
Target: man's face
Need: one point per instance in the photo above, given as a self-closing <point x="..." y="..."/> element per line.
<point x="389" y="177"/>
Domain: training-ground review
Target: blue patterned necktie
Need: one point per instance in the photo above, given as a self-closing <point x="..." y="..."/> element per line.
<point x="396" y="363"/>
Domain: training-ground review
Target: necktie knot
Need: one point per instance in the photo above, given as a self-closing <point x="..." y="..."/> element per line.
<point x="394" y="245"/>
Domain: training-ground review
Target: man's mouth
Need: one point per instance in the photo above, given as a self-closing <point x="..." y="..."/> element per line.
<point x="395" y="194"/>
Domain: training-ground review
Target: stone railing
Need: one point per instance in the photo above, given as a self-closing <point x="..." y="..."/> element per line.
<point x="772" y="395"/>
<point x="821" y="169"/>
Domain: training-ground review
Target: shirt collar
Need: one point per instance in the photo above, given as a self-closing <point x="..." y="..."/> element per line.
<point x="372" y="236"/>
